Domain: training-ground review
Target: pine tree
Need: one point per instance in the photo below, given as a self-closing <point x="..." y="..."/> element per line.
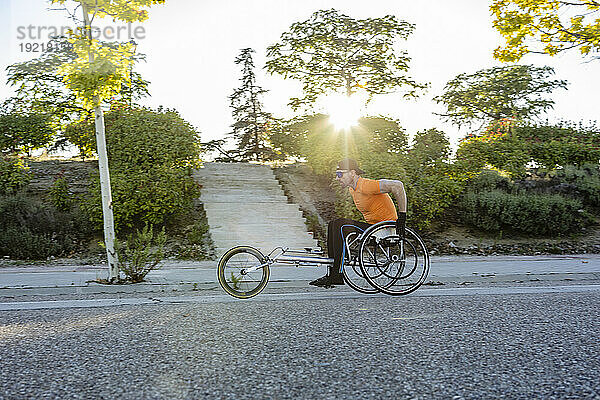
<point x="250" y="127"/>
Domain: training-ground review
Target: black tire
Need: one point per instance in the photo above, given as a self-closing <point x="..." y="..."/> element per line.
<point x="353" y="276"/>
<point x="382" y="264"/>
<point x="232" y="277"/>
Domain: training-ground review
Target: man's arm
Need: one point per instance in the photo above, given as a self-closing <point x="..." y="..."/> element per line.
<point x="397" y="188"/>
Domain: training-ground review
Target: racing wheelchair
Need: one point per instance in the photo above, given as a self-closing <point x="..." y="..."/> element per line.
<point x="374" y="260"/>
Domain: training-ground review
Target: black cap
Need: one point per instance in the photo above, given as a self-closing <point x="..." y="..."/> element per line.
<point x="350" y="164"/>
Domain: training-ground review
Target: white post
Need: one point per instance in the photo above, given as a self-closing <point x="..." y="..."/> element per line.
<point x="107" y="211"/>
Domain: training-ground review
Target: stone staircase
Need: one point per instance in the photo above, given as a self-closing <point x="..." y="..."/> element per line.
<point x="245" y="205"/>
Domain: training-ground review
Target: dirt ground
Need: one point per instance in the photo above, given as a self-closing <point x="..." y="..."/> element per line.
<point x="317" y="200"/>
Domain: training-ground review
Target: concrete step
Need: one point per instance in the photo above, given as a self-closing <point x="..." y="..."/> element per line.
<point x="244" y="191"/>
<point x="291" y="234"/>
<point x="245" y="205"/>
<point x="243" y="224"/>
<point x="276" y="209"/>
<point x="240" y="185"/>
<point x="225" y="198"/>
<point x="273" y="223"/>
<point x="207" y="176"/>
<point x="279" y="219"/>
<point x="235" y="166"/>
<point x="246" y="196"/>
<point x="249" y="173"/>
<point x="296" y="244"/>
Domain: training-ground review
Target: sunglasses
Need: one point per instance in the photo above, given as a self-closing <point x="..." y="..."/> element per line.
<point x="340" y="173"/>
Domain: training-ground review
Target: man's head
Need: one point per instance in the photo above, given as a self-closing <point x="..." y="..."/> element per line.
<point x="347" y="172"/>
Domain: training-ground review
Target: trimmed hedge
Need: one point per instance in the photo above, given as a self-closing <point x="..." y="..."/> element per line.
<point x="534" y="214"/>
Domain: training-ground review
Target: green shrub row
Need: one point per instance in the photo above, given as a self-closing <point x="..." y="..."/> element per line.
<point x="532" y="214"/>
<point x="32" y="229"/>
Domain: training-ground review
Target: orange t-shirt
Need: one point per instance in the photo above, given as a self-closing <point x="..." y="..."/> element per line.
<point x="374" y="205"/>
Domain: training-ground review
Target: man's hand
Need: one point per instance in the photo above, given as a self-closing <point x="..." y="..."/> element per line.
<point x="401" y="224"/>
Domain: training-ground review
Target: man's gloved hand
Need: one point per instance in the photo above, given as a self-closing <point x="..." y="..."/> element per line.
<point x="401" y="224"/>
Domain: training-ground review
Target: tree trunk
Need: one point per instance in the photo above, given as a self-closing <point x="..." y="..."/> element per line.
<point x="107" y="211"/>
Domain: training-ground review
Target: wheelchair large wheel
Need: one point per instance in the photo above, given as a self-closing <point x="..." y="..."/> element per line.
<point x="389" y="266"/>
<point x="353" y="276"/>
<point x="233" y="274"/>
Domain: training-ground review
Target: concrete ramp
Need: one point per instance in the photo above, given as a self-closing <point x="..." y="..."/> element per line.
<point x="245" y="205"/>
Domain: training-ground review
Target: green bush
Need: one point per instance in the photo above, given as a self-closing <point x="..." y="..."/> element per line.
<point x="22" y="244"/>
<point x="34" y="230"/>
<point x="83" y="135"/>
<point x="141" y="253"/>
<point x="432" y="184"/>
<point x="586" y="179"/>
<point x="14" y="175"/>
<point x="533" y="214"/>
<point x="488" y="180"/>
<point x="561" y="144"/>
<point x="143" y="196"/>
<point x="150" y="154"/>
<point x="59" y="194"/>
<point x="430" y="197"/>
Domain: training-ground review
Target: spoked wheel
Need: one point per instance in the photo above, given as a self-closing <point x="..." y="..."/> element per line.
<point x="353" y="276"/>
<point x="389" y="266"/>
<point x="234" y="276"/>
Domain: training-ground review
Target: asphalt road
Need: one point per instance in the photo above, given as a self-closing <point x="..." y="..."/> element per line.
<point x="477" y="345"/>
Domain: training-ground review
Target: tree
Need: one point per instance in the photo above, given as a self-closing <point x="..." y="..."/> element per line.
<point x="430" y="146"/>
<point x="249" y="129"/>
<point x="150" y="155"/>
<point x="511" y="147"/>
<point x="515" y="91"/>
<point x="24" y="132"/>
<point x="40" y="88"/>
<point x="95" y="75"/>
<point x="374" y="141"/>
<point x="546" y="27"/>
<point x="331" y="51"/>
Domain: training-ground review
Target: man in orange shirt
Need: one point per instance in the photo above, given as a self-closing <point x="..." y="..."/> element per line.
<point x="373" y="201"/>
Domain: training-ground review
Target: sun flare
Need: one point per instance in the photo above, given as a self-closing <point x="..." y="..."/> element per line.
<point x="344" y="111"/>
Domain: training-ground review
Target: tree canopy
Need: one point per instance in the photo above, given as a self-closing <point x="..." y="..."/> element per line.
<point x="24" y="132"/>
<point x="515" y="91"/>
<point x="332" y="52"/>
<point x="41" y="89"/>
<point x="97" y="70"/>
<point x="546" y="27"/>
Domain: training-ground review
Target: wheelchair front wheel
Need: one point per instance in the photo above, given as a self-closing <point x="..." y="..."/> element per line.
<point x="389" y="267"/>
<point x="234" y="276"/>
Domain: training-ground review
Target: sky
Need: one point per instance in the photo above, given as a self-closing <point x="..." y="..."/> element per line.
<point x="191" y="46"/>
